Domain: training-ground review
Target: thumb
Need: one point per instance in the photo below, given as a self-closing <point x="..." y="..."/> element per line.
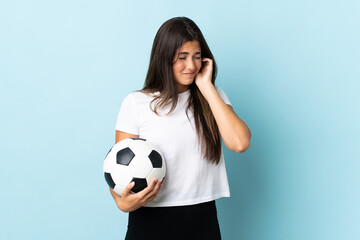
<point x="128" y="189"/>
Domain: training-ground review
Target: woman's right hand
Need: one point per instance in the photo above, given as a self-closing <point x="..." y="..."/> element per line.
<point x="129" y="202"/>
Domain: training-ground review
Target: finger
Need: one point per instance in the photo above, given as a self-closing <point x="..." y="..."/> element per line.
<point x="149" y="188"/>
<point x="128" y="189"/>
<point x="150" y="199"/>
<point x="155" y="189"/>
<point x="154" y="192"/>
<point x="157" y="186"/>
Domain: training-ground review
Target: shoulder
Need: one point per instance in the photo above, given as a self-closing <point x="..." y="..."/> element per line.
<point x="140" y="94"/>
<point x="134" y="95"/>
<point x="138" y="98"/>
<point x="219" y="89"/>
<point x="223" y="95"/>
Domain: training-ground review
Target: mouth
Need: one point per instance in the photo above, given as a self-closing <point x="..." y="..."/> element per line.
<point x="189" y="74"/>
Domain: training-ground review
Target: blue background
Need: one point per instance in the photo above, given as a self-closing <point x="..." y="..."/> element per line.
<point x="290" y="68"/>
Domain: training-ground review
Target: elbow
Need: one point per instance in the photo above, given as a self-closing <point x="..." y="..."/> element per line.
<point x="243" y="143"/>
<point x="242" y="146"/>
<point x="239" y="144"/>
<point x="121" y="206"/>
<point x="122" y="209"/>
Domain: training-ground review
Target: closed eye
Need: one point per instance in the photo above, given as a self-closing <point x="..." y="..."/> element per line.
<point x="183" y="58"/>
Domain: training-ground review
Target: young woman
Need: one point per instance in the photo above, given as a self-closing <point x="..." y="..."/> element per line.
<point x="183" y="113"/>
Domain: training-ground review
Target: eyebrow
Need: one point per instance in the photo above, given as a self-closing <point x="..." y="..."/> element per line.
<point x="188" y="53"/>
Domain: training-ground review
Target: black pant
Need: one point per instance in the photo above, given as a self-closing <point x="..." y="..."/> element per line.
<point x="171" y="223"/>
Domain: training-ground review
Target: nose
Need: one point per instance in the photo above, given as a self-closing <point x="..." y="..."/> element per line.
<point x="190" y="65"/>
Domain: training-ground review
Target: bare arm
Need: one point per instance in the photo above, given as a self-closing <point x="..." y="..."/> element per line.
<point x="233" y="130"/>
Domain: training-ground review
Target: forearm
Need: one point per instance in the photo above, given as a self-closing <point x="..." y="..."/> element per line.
<point x="234" y="132"/>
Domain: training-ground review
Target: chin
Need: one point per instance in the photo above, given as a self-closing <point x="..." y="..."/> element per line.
<point x="189" y="81"/>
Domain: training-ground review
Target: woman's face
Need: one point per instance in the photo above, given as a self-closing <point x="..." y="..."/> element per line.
<point x="187" y="63"/>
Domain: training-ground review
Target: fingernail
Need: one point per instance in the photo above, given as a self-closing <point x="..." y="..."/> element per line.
<point x="132" y="183"/>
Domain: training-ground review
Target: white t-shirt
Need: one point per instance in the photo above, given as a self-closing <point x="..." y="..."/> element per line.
<point x="190" y="179"/>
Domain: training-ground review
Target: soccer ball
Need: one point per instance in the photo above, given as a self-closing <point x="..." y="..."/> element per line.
<point x="133" y="159"/>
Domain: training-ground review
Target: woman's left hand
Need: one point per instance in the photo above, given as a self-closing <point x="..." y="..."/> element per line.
<point x="203" y="78"/>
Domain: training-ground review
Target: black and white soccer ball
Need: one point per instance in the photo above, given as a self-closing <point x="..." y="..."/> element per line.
<point x="133" y="159"/>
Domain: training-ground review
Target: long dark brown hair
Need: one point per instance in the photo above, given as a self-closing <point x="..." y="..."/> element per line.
<point x="170" y="37"/>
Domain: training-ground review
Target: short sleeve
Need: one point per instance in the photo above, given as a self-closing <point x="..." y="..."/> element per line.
<point x="223" y="95"/>
<point x="127" y="117"/>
